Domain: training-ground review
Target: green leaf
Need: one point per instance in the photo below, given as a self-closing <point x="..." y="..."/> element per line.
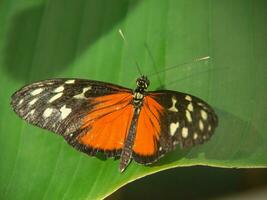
<point x="46" y="39"/>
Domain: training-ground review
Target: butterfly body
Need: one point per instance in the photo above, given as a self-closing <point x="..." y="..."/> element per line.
<point x="95" y="116"/>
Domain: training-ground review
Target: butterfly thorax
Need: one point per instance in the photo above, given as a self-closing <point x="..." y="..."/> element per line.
<point x="139" y="93"/>
<point x="138" y="99"/>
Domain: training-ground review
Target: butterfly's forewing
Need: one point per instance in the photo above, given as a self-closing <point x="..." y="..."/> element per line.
<point x="173" y="118"/>
<point x="70" y="107"/>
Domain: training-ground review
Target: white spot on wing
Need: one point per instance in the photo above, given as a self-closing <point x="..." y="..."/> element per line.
<point x="184" y="132"/>
<point x="33" y="101"/>
<point x="59" y="89"/>
<point x="30" y="113"/>
<point x="47" y="112"/>
<point x="188" y="116"/>
<point x="201" y="125"/>
<point x="55" y="97"/>
<point x="188" y="98"/>
<point x="200" y="104"/>
<point x="70" y="81"/>
<point x="21" y="101"/>
<point x="204" y="114"/>
<point x="37" y="91"/>
<point x="195" y="136"/>
<point x="190" y="107"/>
<point x="65" y="111"/>
<point x="209" y="128"/>
<point x="173" y="108"/>
<point x="173" y="128"/>
<point x="81" y="95"/>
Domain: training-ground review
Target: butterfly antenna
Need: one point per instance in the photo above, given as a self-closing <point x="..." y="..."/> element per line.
<point x="153" y="63"/>
<point x="181" y="64"/>
<point x="133" y="57"/>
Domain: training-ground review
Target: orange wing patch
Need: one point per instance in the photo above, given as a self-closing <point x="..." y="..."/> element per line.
<point x="109" y="122"/>
<point x="148" y="128"/>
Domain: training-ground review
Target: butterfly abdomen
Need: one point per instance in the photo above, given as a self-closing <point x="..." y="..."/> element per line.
<point x="127" y="150"/>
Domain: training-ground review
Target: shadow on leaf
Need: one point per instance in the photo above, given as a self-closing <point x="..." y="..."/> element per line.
<point x="44" y="40"/>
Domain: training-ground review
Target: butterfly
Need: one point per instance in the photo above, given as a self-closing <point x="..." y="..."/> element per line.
<point x="95" y="116"/>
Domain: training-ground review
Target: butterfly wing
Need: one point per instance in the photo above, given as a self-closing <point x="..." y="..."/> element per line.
<point x="74" y="108"/>
<point x="170" y="118"/>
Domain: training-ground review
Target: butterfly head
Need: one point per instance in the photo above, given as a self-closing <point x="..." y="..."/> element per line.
<point x="142" y="82"/>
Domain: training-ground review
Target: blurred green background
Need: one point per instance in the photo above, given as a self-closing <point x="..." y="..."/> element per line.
<point x="42" y="39"/>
